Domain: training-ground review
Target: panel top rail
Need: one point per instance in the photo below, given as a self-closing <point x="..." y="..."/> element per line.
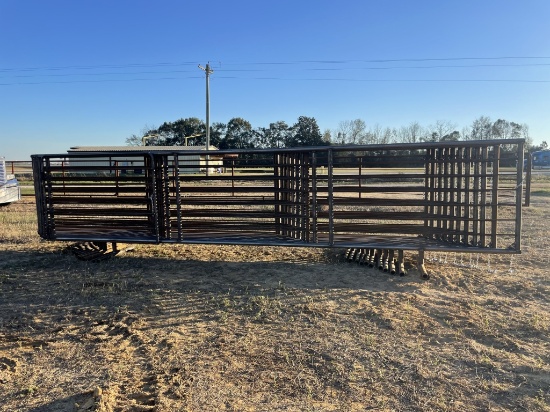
<point x="170" y="150"/>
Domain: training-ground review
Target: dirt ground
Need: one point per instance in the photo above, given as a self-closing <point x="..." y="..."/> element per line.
<point x="233" y="328"/>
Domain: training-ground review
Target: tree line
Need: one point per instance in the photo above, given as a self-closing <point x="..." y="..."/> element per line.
<point x="238" y="133"/>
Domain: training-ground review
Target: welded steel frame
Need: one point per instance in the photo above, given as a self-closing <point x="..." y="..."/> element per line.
<point x="447" y="196"/>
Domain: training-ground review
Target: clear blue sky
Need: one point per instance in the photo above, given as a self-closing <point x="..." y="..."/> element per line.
<point x="95" y="72"/>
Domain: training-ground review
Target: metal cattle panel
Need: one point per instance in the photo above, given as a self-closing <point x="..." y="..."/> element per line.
<point x="446" y="196"/>
<point x="96" y="198"/>
<point x="292" y="195"/>
<point x="460" y="189"/>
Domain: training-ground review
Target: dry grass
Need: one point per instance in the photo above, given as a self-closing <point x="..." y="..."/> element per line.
<point x="210" y="328"/>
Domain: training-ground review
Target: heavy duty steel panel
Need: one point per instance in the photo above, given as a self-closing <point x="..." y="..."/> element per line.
<point x="452" y="196"/>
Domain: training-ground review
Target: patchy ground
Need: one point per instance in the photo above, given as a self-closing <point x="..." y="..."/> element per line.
<point x="229" y="328"/>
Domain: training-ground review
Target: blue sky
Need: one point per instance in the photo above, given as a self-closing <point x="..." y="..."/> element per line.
<point x="95" y="72"/>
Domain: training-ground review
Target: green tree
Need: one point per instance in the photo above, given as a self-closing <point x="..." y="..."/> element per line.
<point x="238" y="135"/>
<point x="179" y="133"/>
<point x="274" y="136"/>
<point x="451" y="137"/>
<point x="217" y="133"/>
<point x="306" y="133"/>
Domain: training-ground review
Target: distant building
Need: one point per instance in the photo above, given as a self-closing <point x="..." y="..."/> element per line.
<point x="194" y="162"/>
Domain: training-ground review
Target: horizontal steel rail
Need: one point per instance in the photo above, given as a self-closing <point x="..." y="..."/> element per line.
<point x="446" y="196"/>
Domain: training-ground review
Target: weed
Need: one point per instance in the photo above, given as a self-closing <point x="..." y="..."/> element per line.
<point x="30" y="390"/>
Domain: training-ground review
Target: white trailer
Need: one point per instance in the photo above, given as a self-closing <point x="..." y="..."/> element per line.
<point x="9" y="187"/>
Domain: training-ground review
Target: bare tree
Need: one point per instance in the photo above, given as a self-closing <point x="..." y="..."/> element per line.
<point x="133" y="140"/>
<point x="481" y="129"/>
<point x="137" y="140"/>
<point x="374" y="135"/>
<point x="327" y="136"/>
<point x="352" y="132"/>
<point x="412" y="133"/>
<point x="440" y="130"/>
<point x="525" y="134"/>
<point x="466" y="132"/>
<point x="389" y="135"/>
<point x="503" y="129"/>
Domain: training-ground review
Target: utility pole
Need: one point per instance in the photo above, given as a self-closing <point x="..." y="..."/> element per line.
<point x="208" y="71"/>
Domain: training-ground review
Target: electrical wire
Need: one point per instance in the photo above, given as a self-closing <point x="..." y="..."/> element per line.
<point x="7" y="73"/>
<point x="263" y="70"/>
<point x="296" y="62"/>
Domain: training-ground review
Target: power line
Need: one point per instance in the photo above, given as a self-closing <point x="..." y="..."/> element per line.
<point x="190" y="63"/>
<point x="313" y="66"/>
<point x="389" y="80"/>
<point x="99" y="81"/>
<point x="93" y="67"/>
<point x="341" y="79"/>
<point x="264" y="70"/>
<point x="432" y="67"/>
<point x="394" y="60"/>
<point x="97" y="74"/>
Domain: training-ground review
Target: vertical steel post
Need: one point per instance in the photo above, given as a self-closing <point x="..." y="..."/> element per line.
<point x="475" y="221"/>
<point x="330" y="198"/>
<point x="440" y="191"/>
<point x="233" y="176"/>
<point x="528" y="180"/>
<point x="446" y="187"/>
<point x="432" y="170"/>
<point x="117" y="175"/>
<point x="293" y="194"/>
<point x="178" y="196"/>
<point x="459" y="191"/>
<point x="483" y="215"/>
<point x="283" y="197"/>
<point x="277" y="192"/>
<point x="452" y="193"/>
<point x="494" y="197"/>
<point x="151" y="195"/>
<point x="39" y="195"/>
<point x="313" y="193"/>
<point x="467" y="193"/>
<point x="360" y="167"/>
<point x="50" y="209"/>
<point x="519" y="194"/>
<point x="305" y="197"/>
<point x="165" y="198"/>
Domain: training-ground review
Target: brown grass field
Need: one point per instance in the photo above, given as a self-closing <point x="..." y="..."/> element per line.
<point x="234" y="328"/>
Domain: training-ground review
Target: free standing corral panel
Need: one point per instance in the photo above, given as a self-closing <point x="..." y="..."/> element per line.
<point x="447" y="196"/>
